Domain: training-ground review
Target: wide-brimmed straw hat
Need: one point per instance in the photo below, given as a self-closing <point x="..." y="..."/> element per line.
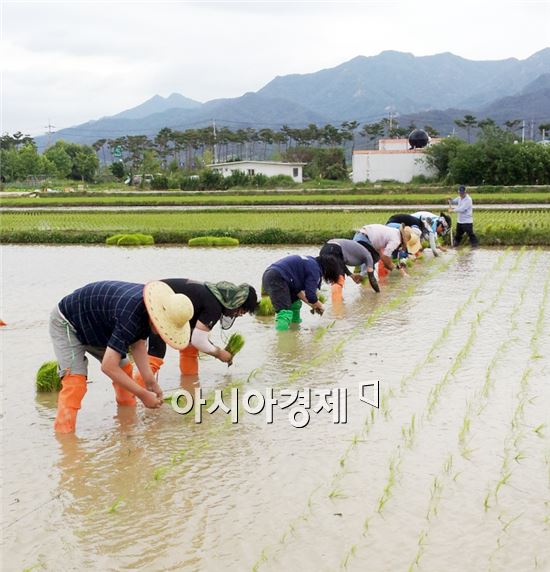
<point x="410" y="239"/>
<point x="169" y="312"/>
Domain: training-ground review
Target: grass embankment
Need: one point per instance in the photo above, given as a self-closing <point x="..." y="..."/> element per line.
<point x="404" y="196"/>
<point x="510" y="227"/>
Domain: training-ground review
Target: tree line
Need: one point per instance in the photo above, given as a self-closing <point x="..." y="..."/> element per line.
<point x="172" y="151"/>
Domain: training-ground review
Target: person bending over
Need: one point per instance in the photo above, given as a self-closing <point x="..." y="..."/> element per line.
<point x="294" y="280"/>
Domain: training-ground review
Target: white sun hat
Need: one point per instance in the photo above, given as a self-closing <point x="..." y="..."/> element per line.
<point x="169" y="312"/>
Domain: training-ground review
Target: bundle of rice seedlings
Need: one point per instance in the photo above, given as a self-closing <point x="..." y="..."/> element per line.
<point x="110" y="240"/>
<point x="234" y="344"/>
<point x="265" y="307"/>
<point x="145" y="239"/>
<point x="47" y="378"/>
<point x="321" y="297"/>
<point x="128" y="240"/>
<point x="134" y="239"/>
<point x="213" y="241"/>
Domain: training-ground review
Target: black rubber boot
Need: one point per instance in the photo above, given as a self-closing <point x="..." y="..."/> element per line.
<point x="373" y="282"/>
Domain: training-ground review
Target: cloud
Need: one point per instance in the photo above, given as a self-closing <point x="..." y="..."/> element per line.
<point x="75" y="61"/>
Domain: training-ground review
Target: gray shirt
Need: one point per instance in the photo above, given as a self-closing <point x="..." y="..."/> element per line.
<point x="354" y="253"/>
<point x="463" y="208"/>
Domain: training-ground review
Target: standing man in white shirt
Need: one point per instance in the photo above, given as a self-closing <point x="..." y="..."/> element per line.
<point x="463" y="207"/>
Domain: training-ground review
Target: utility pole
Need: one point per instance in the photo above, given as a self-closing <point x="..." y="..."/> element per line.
<point x="532" y="130"/>
<point x="215" y="145"/>
<point x="49" y="127"/>
<point x="523" y="131"/>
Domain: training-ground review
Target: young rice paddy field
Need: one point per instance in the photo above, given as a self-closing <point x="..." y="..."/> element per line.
<point x="502" y="227"/>
<point x="450" y="472"/>
<point x="445" y="467"/>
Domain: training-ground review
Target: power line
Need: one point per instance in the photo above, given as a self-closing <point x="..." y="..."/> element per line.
<point x="49" y="127"/>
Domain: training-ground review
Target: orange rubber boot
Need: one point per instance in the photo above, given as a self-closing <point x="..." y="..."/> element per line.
<point x="123" y="396"/>
<point x="382" y="270"/>
<point x="68" y="402"/>
<point x="189" y="360"/>
<point x="337" y="289"/>
<point x="155" y="364"/>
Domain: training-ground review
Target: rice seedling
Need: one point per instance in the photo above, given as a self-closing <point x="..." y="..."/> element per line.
<point x="261" y="560"/>
<point x="435" y="497"/>
<point x="119" y="502"/>
<point x="159" y="472"/>
<point x="390" y="482"/>
<point x="501" y="482"/>
<point x="253" y="374"/>
<point x="213" y="241"/>
<point x="384" y="404"/>
<point x="348" y="556"/>
<point x="320" y="332"/>
<point x="464" y="430"/>
<point x="486" y="505"/>
<point x="448" y="465"/>
<point x="408" y="432"/>
<point x="235" y="344"/>
<point x="421" y="542"/>
<point x="47" y="378"/>
<point x="539" y="429"/>
<point x="366" y="525"/>
<point x="519" y="457"/>
<point x="506" y="525"/>
<point x="265" y="307"/>
<point x="178" y="458"/>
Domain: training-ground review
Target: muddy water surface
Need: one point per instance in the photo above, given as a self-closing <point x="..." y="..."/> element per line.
<point x="451" y="472"/>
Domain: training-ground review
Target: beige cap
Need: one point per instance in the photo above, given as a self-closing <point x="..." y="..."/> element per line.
<point x="410" y="239"/>
<point x="169" y="312"/>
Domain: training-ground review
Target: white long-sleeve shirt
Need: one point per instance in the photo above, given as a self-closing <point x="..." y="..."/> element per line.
<point x="384" y="238"/>
<point x="463" y="207"/>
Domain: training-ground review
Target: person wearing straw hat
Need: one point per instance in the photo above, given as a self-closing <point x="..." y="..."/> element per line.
<point x="212" y="302"/>
<point x="420" y="226"/>
<point x="106" y="320"/>
<point x="387" y="241"/>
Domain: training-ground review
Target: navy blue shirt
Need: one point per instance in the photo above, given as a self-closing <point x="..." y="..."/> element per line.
<point x="301" y="273"/>
<point x="108" y="314"/>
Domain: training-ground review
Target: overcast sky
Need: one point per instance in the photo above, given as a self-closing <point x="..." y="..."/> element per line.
<point x="69" y="62"/>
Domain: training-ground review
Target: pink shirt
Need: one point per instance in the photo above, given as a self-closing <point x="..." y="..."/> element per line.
<point x="384" y="238"/>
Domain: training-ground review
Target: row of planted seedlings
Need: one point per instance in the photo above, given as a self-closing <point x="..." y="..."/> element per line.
<point x="181" y="459"/>
<point x="411" y="430"/>
<point x="519" y="429"/>
<point x="475" y="405"/>
<point x="408" y="434"/>
<point x="383" y="413"/>
<point x="334" y="490"/>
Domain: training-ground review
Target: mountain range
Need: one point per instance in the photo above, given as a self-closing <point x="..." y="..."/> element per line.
<point x="432" y="90"/>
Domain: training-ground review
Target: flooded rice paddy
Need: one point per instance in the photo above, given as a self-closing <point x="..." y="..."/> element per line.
<point x="450" y="472"/>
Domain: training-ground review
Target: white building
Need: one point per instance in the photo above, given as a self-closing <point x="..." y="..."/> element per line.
<point x="268" y="168"/>
<point x="393" y="160"/>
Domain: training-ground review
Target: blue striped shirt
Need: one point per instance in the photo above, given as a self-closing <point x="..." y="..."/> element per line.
<point x="108" y="314"/>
